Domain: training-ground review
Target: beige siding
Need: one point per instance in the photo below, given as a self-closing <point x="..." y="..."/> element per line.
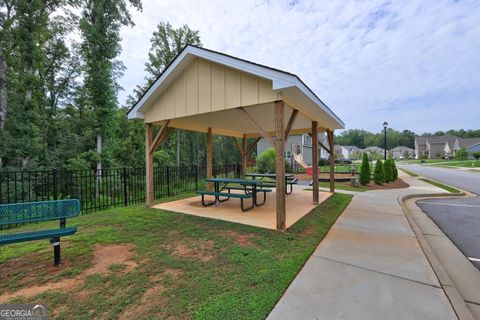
<point x="205" y="87"/>
<point x="218" y="87"/>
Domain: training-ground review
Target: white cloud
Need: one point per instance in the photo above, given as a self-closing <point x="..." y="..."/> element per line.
<point x="413" y="63"/>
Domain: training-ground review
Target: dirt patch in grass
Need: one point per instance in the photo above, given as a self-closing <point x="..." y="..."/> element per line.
<point x="152" y="297"/>
<point x="104" y="257"/>
<point x="198" y="250"/>
<point x="243" y="239"/>
<point x="398" y="184"/>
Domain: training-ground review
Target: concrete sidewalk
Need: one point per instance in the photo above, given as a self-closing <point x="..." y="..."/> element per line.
<point x="369" y="266"/>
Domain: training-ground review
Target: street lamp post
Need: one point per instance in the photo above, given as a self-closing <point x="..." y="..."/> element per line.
<point x="385" y="124"/>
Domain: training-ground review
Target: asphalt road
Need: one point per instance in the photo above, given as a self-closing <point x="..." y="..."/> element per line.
<point x="459" y="219"/>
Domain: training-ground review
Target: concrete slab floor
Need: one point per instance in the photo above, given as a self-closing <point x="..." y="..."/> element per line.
<point x="298" y="204"/>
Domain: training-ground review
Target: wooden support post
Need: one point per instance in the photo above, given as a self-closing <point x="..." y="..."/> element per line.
<point x="332" y="160"/>
<point x="148" y="164"/>
<point x="279" y="109"/>
<point x="209" y="158"/>
<point x="244" y="155"/>
<point x="315" y="161"/>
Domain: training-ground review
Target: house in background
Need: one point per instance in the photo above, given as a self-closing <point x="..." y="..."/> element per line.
<point x="436" y="147"/>
<point x="301" y="144"/>
<point x="467" y="143"/>
<point x="473" y="148"/>
<point x="420" y="147"/>
<point x="402" y="152"/>
<point x="372" y="151"/>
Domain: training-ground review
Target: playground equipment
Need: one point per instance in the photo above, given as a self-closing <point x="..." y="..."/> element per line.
<point x="299" y="159"/>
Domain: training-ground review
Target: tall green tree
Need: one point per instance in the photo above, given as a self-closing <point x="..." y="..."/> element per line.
<point x="100" y="28"/>
<point x="379" y="173"/>
<point x="166" y="43"/>
<point x="365" y="174"/>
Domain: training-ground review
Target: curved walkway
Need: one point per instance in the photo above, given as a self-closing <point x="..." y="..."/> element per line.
<point x="370" y="266"/>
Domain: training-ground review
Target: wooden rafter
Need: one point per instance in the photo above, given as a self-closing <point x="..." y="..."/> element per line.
<point x="160" y="137"/>
<point x="290" y="123"/>
<point x="252" y="146"/>
<point x="254" y="124"/>
<point x="321" y="144"/>
<point x="237" y="144"/>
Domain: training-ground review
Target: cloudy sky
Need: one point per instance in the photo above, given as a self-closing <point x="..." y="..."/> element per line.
<point x="413" y="63"/>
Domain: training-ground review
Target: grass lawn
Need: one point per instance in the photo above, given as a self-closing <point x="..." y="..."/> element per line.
<point x="410" y="173"/>
<point x="341" y="186"/>
<point x="180" y="267"/>
<point x="464" y="163"/>
<point x="441" y="185"/>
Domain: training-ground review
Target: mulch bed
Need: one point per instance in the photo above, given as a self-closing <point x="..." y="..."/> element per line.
<point x="323" y="175"/>
<point x="398" y="184"/>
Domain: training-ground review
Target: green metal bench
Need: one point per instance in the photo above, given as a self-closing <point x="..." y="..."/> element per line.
<point x="227" y="195"/>
<point x="40" y="211"/>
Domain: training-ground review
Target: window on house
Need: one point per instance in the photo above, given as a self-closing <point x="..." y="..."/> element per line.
<point x="288" y="154"/>
<point x="307" y="140"/>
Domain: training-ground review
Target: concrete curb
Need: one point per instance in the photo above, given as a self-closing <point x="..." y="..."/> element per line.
<point x="456" y="299"/>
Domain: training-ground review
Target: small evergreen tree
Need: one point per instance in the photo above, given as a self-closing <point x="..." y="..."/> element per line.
<point x="378" y="175"/>
<point x="387" y="170"/>
<point x="364" y="178"/>
<point x="395" y="170"/>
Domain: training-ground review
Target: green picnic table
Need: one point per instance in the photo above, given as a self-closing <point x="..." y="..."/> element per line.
<point x="289" y="180"/>
<point x="223" y="187"/>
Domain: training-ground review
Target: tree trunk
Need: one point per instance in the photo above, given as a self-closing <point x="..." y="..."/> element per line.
<point x="99" y="165"/>
<point x="3" y="99"/>
<point x="3" y="90"/>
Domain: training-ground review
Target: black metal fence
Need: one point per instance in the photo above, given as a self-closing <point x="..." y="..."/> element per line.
<point x="104" y="188"/>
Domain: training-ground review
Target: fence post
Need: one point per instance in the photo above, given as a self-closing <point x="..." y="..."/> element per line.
<point x="196" y="178"/>
<point x="168" y="181"/>
<point x="125" y="189"/>
<point x="55" y="186"/>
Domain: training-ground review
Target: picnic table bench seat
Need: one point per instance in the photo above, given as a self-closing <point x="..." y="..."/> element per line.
<point x="260" y="188"/>
<point x="227" y="195"/>
<point x="28" y="212"/>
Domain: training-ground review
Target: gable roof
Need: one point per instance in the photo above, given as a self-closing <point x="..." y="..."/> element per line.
<point x="280" y="79"/>
<point x="402" y="149"/>
<point x="468" y="142"/>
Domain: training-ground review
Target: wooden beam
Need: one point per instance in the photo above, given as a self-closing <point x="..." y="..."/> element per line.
<point x="159" y="138"/>
<point x="252" y="146"/>
<point x="254" y="124"/>
<point x="279" y="109"/>
<point x="332" y="160"/>
<point x="315" y="161"/>
<point x="290" y="123"/>
<point x="209" y="158"/>
<point x="320" y="144"/>
<point x="237" y="144"/>
<point x="148" y="165"/>
<point x="244" y="155"/>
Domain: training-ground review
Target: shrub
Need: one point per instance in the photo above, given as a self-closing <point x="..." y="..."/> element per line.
<point x="476" y="155"/>
<point x="387" y="171"/>
<point x="364" y="178"/>
<point x="266" y="161"/>
<point x="378" y="175"/>
<point x="461" y="154"/>
<point x="395" y="170"/>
